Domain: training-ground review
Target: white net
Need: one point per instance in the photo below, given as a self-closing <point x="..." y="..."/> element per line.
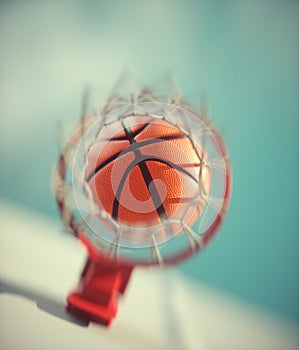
<point x="144" y="179"/>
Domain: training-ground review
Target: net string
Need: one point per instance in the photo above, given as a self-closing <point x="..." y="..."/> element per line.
<point x="62" y="187"/>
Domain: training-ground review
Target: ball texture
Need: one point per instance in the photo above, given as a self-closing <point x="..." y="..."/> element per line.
<point x="143" y="171"/>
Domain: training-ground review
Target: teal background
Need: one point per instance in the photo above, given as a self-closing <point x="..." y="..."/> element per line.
<point x="243" y="54"/>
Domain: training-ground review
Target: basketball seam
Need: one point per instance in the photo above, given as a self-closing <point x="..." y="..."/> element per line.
<point x="124" y="138"/>
<point x="172" y="165"/>
<point x="128" y="150"/>
<point x="130" y="167"/>
<point x="146" y="176"/>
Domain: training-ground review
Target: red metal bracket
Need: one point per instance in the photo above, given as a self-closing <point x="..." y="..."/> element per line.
<point x="101" y="282"/>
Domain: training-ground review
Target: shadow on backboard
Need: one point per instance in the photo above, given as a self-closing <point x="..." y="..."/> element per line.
<point x="48" y="305"/>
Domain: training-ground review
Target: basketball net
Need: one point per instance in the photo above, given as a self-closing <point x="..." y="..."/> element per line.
<point x="115" y="241"/>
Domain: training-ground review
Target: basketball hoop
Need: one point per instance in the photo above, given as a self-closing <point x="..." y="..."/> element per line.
<point x="145" y="180"/>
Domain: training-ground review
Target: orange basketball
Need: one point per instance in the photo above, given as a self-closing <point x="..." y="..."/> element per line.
<point x="143" y="171"/>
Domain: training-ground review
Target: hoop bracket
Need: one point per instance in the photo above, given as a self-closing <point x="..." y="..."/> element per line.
<point x="96" y="297"/>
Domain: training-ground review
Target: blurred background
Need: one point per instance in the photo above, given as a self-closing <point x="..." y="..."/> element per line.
<point x="243" y="54"/>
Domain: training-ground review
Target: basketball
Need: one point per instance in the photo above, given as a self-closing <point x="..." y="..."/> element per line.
<point x="143" y="171"/>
